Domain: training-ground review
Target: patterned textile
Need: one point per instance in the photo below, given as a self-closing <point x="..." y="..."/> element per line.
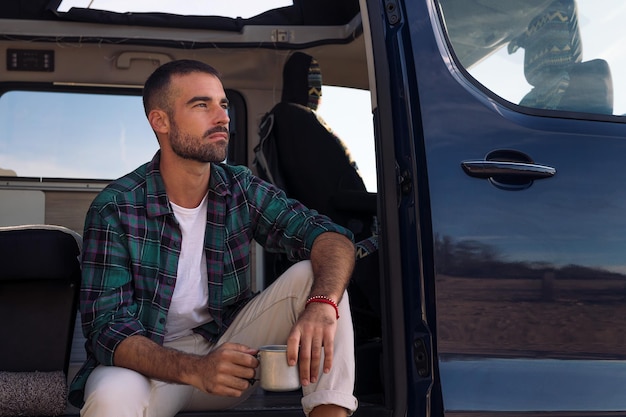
<point x="366" y="247"/>
<point x="549" y="94"/>
<point x="315" y="84"/>
<point x="552" y="43"/>
<point x="131" y="248"/>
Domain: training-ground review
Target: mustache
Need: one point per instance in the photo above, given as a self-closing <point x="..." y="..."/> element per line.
<point x="216" y="129"/>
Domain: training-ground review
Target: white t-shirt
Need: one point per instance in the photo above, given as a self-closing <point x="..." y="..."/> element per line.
<point x="191" y="293"/>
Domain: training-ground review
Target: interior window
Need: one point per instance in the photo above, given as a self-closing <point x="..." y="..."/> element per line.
<point x="73" y="135"/>
<point x="544" y="54"/>
<point x="84" y="136"/>
<point x="347" y="111"/>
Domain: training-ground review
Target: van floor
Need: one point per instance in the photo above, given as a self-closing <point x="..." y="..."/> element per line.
<point x="282" y="405"/>
<point x="272" y="404"/>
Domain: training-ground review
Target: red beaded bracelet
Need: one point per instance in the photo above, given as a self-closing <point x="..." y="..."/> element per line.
<point x="325" y="300"/>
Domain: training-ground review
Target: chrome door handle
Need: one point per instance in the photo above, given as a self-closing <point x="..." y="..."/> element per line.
<point x="521" y="170"/>
<point x="508" y="169"/>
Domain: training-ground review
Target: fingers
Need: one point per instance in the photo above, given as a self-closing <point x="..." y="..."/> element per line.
<point x="313" y="354"/>
<point x="293" y="346"/>
<point x="229" y="370"/>
<point x="239" y="348"/>
<point x="232" y="386"/>
<point x="310" y="357"/>
<point x="314" y="334"/>
<point x="328" y="356"/>
<point x="243" y="357"/>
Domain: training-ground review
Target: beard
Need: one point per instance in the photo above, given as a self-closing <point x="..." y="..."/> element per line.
<point x="193" y="147"/>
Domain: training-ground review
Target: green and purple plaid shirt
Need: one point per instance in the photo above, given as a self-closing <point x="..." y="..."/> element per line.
<point x="131" y="247"/>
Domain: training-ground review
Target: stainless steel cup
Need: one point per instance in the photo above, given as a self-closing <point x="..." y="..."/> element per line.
<point x="274" y="373"/>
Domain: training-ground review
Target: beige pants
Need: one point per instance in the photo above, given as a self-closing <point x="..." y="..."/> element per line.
<point x="267" y="319"/>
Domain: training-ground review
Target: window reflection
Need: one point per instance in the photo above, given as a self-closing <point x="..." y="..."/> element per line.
<point x="544" y="54"/>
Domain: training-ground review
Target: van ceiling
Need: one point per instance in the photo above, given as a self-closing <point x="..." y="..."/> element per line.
<point x="245" y="49"/>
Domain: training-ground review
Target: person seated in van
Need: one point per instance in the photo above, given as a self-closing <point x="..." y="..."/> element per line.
<point x="166" y="303"/>
<point x="303" y="141"/>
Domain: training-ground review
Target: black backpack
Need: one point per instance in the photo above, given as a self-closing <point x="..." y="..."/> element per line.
<point x="266" y="153"/>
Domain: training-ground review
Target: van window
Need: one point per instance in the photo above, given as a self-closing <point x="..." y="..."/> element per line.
<point x="543" y="54"/>
<point x="73" y="135"/>
<point x="187" y="7"/>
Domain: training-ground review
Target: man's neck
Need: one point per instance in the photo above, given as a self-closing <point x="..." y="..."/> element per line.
<point x="186" y="183"/>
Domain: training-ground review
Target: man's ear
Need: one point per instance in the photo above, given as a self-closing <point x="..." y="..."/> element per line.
<point x="159" y="120"/>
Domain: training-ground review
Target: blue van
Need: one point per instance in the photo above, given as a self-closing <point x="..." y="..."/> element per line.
<point x="487" y="201"/>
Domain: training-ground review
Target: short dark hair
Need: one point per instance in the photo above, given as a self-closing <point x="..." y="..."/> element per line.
<point x="155" y="90"/>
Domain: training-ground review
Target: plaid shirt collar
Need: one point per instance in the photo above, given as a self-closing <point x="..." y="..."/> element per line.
<point x="157" y="202"/>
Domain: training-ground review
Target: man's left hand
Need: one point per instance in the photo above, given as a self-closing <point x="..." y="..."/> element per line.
<point x="313" y="333"/>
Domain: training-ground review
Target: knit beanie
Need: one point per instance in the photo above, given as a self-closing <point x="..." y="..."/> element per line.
<point x="302" y="81"/>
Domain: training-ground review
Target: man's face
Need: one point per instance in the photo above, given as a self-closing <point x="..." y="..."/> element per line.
<point x="199" y="119"/>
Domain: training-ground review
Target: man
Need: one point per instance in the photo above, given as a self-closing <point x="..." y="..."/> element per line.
<point x="166" y="304"/>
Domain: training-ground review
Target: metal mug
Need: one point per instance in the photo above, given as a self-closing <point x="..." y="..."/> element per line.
<point x="274" y="373"/>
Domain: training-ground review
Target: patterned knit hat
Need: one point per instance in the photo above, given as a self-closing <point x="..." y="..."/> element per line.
<point x="315" y="84"/>
<point x="302" y="81"/>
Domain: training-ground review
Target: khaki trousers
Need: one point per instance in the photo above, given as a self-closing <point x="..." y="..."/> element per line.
<point x="267" y="319"/>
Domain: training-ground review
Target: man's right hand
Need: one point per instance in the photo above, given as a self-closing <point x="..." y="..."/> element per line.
<point x="227" y="370"/>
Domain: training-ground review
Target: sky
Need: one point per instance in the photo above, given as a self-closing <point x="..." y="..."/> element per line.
<point x="230" y="8"/>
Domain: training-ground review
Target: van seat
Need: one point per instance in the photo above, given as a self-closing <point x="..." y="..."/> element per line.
<point x="39" y="283"/>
